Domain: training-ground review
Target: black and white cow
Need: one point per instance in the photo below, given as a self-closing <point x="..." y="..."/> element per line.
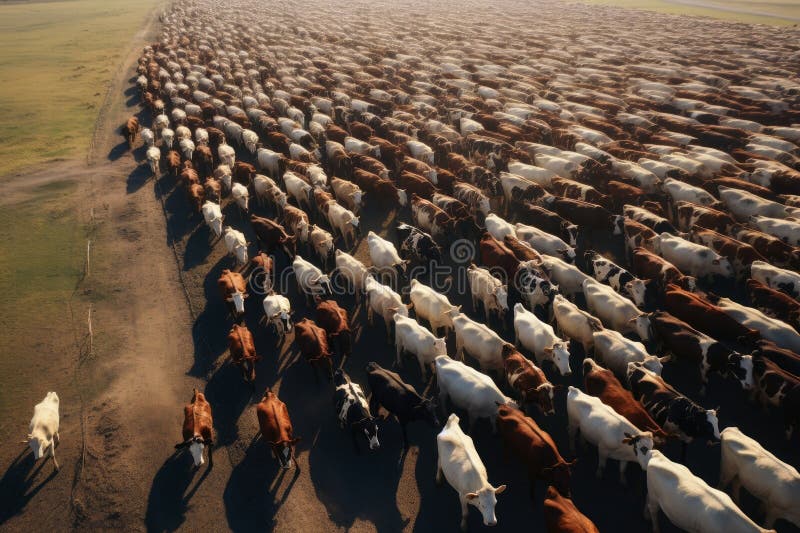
<point x="418" y="246"/>
<point x="619" y="279"/>
<point x="534" y="287"/>
<point x="672" y="410"/>
<point x="352" y="409"/>
<point x="398" y="398"/>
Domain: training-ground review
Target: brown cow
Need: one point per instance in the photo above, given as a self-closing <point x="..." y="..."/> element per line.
<point x="637" y="235"/>
<point x="561" y="515"/>
<point x="262" y="272"/>
<point x="213" y="190"/>
<point x="494" y="254"/>
<point x="189" y="177"/>
<point x="740" y="255"/>
<point x="370" y="164"/>
<point x="276" y="428"/>
<point x="243" y="173"/>
<point x="273" y="235"/>
<point x="775" y="250"/>
<point x="382" y="191"/>
<point x="786" y="359"/>
<point x="243" y="352"/>
<point x="779" y="388"/>
<point x="196" y="195"/>
<point x="203" y="160"/>
<point x="527" y="379"/>
<point x="690" y="215"/>
<point x="431" y="219"/>
<point x="586" y="214"/>
<point x="577" y="191"/>
<point x="333" y="319"/>
<point x="521" y="250"/>
<point x="313" y="344"/>
<point x="602" y="383"/>
<point x="547" y="221"/>
<point x="624" y="193"/>
<point x="416" y="184"/>
<point x="650" y="266"/>
<point x="774" y="303"/>
<point x="233" y="289"/>
<point x="198" y="428"/>
<point x="130" y="130"/>
<point x="173" y="162"/>
<point x="535" y="448"/>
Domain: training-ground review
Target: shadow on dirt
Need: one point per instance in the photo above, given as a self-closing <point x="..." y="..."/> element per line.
<point x="18" y="484"/>
<point x="172" y="489"/>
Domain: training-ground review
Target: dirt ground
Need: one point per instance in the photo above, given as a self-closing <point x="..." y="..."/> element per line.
<point x="159" y="330"/>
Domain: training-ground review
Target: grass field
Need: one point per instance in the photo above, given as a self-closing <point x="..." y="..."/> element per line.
<point x="56" y="60"/>
<point x="775" y="12"/>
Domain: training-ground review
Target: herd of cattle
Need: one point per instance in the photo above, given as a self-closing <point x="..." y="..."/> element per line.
<point x="538" y="150"/>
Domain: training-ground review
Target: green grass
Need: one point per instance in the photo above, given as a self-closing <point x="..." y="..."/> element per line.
<point x="56" y="61"/>
<point x="780" y="12"/>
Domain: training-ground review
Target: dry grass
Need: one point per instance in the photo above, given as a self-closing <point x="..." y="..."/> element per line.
<point x="775" y="12"/>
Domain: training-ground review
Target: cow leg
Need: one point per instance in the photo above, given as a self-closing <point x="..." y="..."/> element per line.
<point x="652" y="508"/>
<point x="772" y="515"/>
<point x="53" y="455"/>
<point x="438" y="471"/>
<point x="422" y="369"/>
<point x="464" y="512"/>
<point x="736" y="489"/>
<point x="459" y="349"/>
<point x="399" y="357"/>
<point x="57" y="438"/>
<point x="571" y="431"/>
<point x="602" y="457"/>
<point x="622" y="479"/>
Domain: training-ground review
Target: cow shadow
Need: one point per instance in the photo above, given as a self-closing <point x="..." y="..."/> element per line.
<point x="140" y="175"/>
<point x="118" y="151"/>
<point x="18" y="485"/>
<point x="230" y="395"/>
<point x="198" y="246"/>
<point x="172" y="489"/>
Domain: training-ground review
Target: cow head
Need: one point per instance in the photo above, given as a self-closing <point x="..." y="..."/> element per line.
<point x="370" y="429"/>
<point x="741" y="367"/>
<point x="501" y="298"/>
<point x="706" y="425"/>
<point x="722" y="266"/>
<point x="402" y="197"/>
<point x="559" y="476"/>
<point x="284" y="451"/>
<point x="426" y="410"/>
<point x="544" y="398"/>
<point x="196" y="445"/>
<point x="617" y="223"/>
<point x="571" y="230"/>
<point x="642" y="446"/>
<point x="642" y="326"/>
<point x="567" y="255"/>
<point x="636" y="289"/>
<point x="653" y="364"/>
<point x="485" y="500"/>
<point x="237" y="298"/>
<point x="558" y="353"/>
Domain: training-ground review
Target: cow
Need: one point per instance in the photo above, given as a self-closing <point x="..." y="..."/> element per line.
<point x="173" y="162"/>
<point x="615" y="311"/>
<point x="498" y="258"/>
<point x="382" y="191"/>
<point x="786" y="359"/>
<point x="233" y="288"/>
<point x="679" y="191"/>
<point x="539" y="338"/>
<point x="267" y="190"/>
<point x="770" y="329"/>
<point x="432" y="306"/>
<point x="543" y="242"/>
<point x="535" y="448"/>
<point x="312" y="341"/>
<point x="577" y="191"/>
<point x="777" y="387"/>
<point x="277" y="312"/>
<point x="586" y="214"/>
<point x="430" y="218"/>
<point x="198" y="428"/>
<point x="383" y="300"/>
<point x="561" y="515"/>
<point x="334" y="321"/>
<point x="212" y="214"/>
<point x="459" y="462"/>
<point x="43" y="429"/>
<point x="400" y="399"/>
<point x="637" y="235"/>
<point x="775" y="250"/>
<point x="690" y="215"/>
<point x="602" y="383"/>
<point x="682" y="341"/>
<point x="272" y="235"/>
<point x="694" y="259"/>
<point x="385" y="258"/>
<point x="706" y="317"/>
<point x="489" y="290"/>
<point x="415" y="184"/>
<point x="413" y="338"/>
<point x="311" y="282"/>
<point x="603" y="427"/>
<point x="740" y="255"/>
<point x="619" y="279"/>
<point x="473" y="197"/>
<point x="297" y="222"/>
<point x="352" y="410"/>
<point x="454" y="208"/>
<point x="243" y="352"/>
<point x="478" y="340"/>
<point x="321" y="242"/>
<point x="774" y="303"/>
<point x="243" y="173"/>
<point x="130" y="130"/>
<point x="784" y="229"/>
<point x="743" y="205"/>
<point x="275" y="427"/>
<point x="568" y="277"/>
<point x="574" y="323"/>
<point x="686" y="499"/>
<point x="153" y="156"/>
<point x="672" y="410"/>
<point x="528" y="380"/>
<point x="655" y="268"/>
<point x="615" y="351"/>
<point x="744" y="462"/>
<point x="348" y="194"/>
<point x="518" y="190"/>
<point x="235" y="244"/>
<point x="353" y="271"/>
<point x="343" y="222"/>
<point x="498" y="227"/>
<point x="417" y="246"/>
<point x="548" y="221"/>
<point x="780" y="279"/>
<point x="521" y="250"/>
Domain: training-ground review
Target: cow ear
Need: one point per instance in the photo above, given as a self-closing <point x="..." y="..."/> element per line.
<point x="715" y="262"/>
<point x="471" y="495"/>
<point x="500" y="490"/>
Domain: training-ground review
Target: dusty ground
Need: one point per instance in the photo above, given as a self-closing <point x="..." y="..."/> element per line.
<point x="152" y="271"/>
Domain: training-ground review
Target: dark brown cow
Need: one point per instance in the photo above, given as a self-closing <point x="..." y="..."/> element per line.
<point x="173" y="162"/>
<point x="233" y="289"/>
<point x="278" y="142"/>
<point x="196" y="195"/>
<point x="587" y="215"/>
<point x="740" y="255"/>
<point x="779" y="388"/>
<point x="735" y="183"/>
<point x="602" y="383"/>
<point x="262" y="272"/>
<point x="189" y="177"/>
<point x="335" y="133"/>
<point x="416" y="184"/>
<point x="198" y="428"/>
<point x="203" y="160"/>
<point x="774" y="303"/>
<point x="381" y="192"/>
<point x="775" y="250"/>
<point x="370" y="164"/>
<point x="624" y="193"/>
<point x="453" y="207"/>
<point x="213" y="190"/>
<point x="561" y="515"/>
<point x="313" y="344"/>
<point x="690" y="215"/>
<point x="706" y="317"/>
<point x="577" y="191"/>
<point x="276" y="428"/>
<point x="650" y="266"/>
<point x="522" y="251"/>
<point x="130" y="130"/>
<point x="547" y="221"/>
<point x="649" y="218"/>
<point x="333" y="319"/>
<point x="243" y="173"/>
<point x="527" y="379"/>
<point x="243" y="352"/>
<point x="786" y="359"/>
<point x="494" y="254"/>
<point x="637" y="235"/>
<point x="535" y="448"/>
<point x="272" y="235"/>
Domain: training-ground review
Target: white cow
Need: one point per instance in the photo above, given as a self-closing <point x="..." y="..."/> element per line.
<point x="683" y="192"/>
<point x="344" y="222"/>
<point x="167" y="138"/>
<point x="616" y="311"/>
<point x="540" y="339"/>
<point x="250" y="140"/>
<point x="348" y="194"/>
<point x="357" y="146"/>
<point x="615" y="351"/>
<point x="297" y="188"/>
<point x="691" y="258"/>
<point x="43" y="429"/>
<point x="779" y="279"/>
<point x="266" y="189"/>
<point x="568" y="277"/>
<point x="311" y="281"/>
<point x="492" y="293"/>
<point x="212" y="214"/>
<point x="605" y="271"/>
<point x="771" y="329"/>
<point x="384" y="301"/>
<point x="277" y="312"/>
<point x="574" y="323"/>
<point x="321" y="242"/>
<point x="148" y="137"/>
<point x="603" y="427"/>
<point x="538" y="175"/>
<point x="227" y="155"/>
<point x="236" y="244"/>
<point x="353" y="271"/>
<point x="479" y="341"/>
<point x="743" y="204"/>
<point x="686" y="499"/>
<point x="270" y="161"/>
<point x="223" y="174"/>
<point x="385" y="258"/>
<point x="461" y="465"/>
<point x="786" y="230"/>
<point x="432" y="306"/>
<point x="240" y="195"/>
<point x="469" y="390"/>
<point x="498" y="227"/>
<point x="544" y="242"/>
<point x="421" y="151"/>
<point x="153" y="157"/>
<point x="409" y="336"/>
<point x="745" y="463"/>
<point x="186" y="147"/>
